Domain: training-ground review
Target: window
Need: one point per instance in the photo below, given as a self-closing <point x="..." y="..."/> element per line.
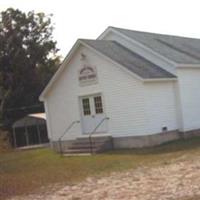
<point x="86" y="106"/>
<point x="98" y="104"/>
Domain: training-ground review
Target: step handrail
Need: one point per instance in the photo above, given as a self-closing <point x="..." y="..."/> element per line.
<point x="65" y="132"/>
<point x="90" y="135"/>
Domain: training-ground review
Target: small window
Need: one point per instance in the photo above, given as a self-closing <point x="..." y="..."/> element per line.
<point x="98" y="104"/>
<point x="86" y="106"/>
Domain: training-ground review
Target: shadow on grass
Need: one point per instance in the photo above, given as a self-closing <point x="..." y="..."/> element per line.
<point x="168" y="147"/>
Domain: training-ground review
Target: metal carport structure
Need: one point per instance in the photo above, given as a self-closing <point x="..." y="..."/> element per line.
<point x="30" y="130"/>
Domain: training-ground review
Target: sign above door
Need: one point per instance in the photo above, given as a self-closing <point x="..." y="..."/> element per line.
<point x="87" y="75"/>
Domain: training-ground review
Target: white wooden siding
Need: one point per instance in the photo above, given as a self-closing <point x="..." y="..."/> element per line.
<point x="189" y="82"/>
<point x="160" y="104"/>
<point x="126" y="100"/>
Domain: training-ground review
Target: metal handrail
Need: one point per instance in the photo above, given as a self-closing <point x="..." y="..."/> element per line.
<point x="90" y="135"/>
<point x="66" y="130"/>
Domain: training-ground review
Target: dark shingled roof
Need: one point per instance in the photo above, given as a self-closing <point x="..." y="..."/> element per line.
<point x="181" y="50"/>
<point x="129" y="59"/>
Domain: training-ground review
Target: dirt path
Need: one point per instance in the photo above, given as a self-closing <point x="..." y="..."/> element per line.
<point x="176" y="180"/>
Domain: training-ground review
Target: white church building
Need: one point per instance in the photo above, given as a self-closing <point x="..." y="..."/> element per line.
<point x="138" y="88"/>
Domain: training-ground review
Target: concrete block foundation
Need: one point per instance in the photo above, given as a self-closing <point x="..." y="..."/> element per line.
<point x="129" y="142"/>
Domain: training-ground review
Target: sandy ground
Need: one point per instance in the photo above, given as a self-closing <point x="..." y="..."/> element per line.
<point x="175" y="180"/>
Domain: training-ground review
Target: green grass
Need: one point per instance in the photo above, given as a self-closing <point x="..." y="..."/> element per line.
<point x="27" y="171"/>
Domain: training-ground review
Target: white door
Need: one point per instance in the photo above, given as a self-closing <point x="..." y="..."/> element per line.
<point x="92" y="114"/>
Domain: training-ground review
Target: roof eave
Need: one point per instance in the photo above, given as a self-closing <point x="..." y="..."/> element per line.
<point x="59" y="71"/>
<point x="187" y="65"/>
<point x="109" y="28"/>
<point x="160" y="79"/>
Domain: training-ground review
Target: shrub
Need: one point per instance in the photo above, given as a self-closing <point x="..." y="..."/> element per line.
<point x="4" y="141"/>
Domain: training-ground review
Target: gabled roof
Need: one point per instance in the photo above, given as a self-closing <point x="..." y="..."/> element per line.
<point x="129" y="59"/>
<point x="180" y="50"/>
<point x="135" y="63"/>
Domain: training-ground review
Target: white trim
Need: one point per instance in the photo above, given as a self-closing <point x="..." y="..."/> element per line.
<point x="96" y="135"/>
<point x="90" y="95"/>
<point x="160" y="79"/>
<point x="102" y="35"/>
<point x="179" y="107"/>
<point x="59" y="71"/>
<point x="188" y="66"/>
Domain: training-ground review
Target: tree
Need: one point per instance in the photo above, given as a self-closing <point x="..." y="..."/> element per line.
<point x="28" y="58"/>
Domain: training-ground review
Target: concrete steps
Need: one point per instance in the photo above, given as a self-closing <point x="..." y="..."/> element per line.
<point x="84" y="145"/>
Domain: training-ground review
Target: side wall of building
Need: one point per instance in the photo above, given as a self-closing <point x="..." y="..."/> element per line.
<point x="161" y="107"/>
<point x="135" y="108"/>
<point x="123" y="97"/>
<point x="189" y="82"/>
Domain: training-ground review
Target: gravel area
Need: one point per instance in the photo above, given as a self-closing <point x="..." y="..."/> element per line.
<point x="178" y="180"/>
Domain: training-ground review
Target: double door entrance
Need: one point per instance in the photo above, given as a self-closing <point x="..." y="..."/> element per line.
<point x="93" y="113"/>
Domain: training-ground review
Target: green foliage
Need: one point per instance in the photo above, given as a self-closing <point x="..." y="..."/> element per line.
<point x="28" y="58"/>
<point x="4" y="143"/>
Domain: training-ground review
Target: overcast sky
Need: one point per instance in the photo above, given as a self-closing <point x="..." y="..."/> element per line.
<point x="88" y="18"/>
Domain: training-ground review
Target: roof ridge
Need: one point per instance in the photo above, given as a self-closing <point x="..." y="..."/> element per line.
<point x="185" y="50"/>
<point x="154" y="33"/>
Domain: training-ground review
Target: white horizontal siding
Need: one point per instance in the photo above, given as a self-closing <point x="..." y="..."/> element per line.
<point x="160" y="102"/>
<point x="122" y="95"/>
<point x="62" y="104"/>
<point x="189" y="85"/>
<point x="125" y="99"/>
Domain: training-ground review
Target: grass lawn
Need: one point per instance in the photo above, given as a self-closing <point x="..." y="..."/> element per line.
<point x="27" y="171"/>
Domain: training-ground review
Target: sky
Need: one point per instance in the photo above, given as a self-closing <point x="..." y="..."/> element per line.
<point x="75" y="19"/>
